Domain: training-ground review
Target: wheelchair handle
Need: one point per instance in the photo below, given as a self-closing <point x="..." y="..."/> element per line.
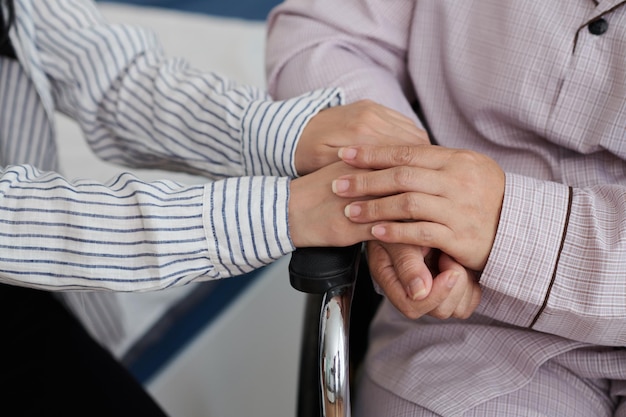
<point x="331" y="272"/>
<point x="317" y="270"/>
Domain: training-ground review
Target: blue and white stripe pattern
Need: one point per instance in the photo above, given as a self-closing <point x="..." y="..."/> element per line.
<point x="139" y="109"/>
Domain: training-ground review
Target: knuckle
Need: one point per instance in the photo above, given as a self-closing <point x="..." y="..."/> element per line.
<point x="441" y="313"/>
<point x="365" y="103"/>
<point x="425" y="235"/>
<point x="365" y="118"/>
<point x="409" y="268"/>
<point x="471" y="163"/>
<point x="412" y="314"/>
<point x="401" y="155"/>
<point x="403" y="176"/>
<point x="409" y="204"/>
<point x="463" y="314"/>
<point x="384" y="275"/>
<point x="361" y="126"/>
<point x="466" y="156"/>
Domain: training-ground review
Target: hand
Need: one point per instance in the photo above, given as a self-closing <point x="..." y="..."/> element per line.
<point x="454" y="292"/>
<point x="443" y="198"/>
<point x="363" y="122"/>
<point x="316" y="215"/>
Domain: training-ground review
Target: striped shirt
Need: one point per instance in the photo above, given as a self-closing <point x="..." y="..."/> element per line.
<point x="139" y="109"/>
<point x="539" y="86"/>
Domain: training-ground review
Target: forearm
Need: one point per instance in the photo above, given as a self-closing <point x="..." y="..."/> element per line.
<point x="128" y="235"/>
<point x="139" y="108"/>
<point x="204" y="123"/>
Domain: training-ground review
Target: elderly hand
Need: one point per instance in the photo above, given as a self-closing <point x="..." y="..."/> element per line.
<point x="360" y="123"/>
<point x="427" y="195"/>
<point x="454" y="292"/>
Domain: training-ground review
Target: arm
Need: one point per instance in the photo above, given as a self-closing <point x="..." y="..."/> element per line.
<point x="139" y="108"/>
<point x="128" y="235"/>
<point x="360" y="46"/>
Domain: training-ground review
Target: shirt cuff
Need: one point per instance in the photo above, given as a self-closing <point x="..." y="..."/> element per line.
<point x="517" y="278"/>
<point x="246" y="224"/>
<point x="272" y="129"/>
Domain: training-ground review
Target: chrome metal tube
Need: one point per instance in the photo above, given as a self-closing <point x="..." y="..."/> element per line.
<point x="334" y="353"/>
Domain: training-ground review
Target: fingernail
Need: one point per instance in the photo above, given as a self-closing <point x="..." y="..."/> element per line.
<point x="379" y="231"/>
<point x="417" y="289"/>
<point x="340" y="186"/>
<point x="352" y="210"/>
<point x="347" y="153"/>
<point x="452" y="279"/>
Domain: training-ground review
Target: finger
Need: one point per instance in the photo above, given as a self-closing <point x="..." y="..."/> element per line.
<point x="446" y="262"/>
<point x="469" y="302"/>
<point x="411" y="269"/>
<point x="406" y="206"/>
<point x="384" y="273"/>
<point x="471" y="298"/>
<point x="461" y="300"/>
<point x="391" y="181"/>
<point x="440" y="293"/>
<point x="418" y="233"/>
<point x="382" y="157"/>
<point x="451" y="296"/>
<point x="474" y="301"/>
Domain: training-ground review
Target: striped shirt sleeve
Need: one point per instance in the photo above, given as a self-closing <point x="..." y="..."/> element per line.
<point x="140" y="109"/>
<point x="125" y="235"/>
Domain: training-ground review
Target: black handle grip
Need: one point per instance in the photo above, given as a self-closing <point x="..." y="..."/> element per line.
<point x="316" y="270"/>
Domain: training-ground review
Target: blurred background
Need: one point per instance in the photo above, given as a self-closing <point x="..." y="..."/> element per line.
<point x="241" y="9"/>
<point x="216" y="349"/>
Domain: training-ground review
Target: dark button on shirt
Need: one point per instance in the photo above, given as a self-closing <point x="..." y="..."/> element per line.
<point x="598" y="26"/>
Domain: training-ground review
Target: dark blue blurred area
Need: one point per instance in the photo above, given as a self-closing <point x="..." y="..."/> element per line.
<point x="243" y="9"/>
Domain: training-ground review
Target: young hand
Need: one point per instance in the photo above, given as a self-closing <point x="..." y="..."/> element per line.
<point x="363" y="122"/>
<point x="316" y="214"/>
